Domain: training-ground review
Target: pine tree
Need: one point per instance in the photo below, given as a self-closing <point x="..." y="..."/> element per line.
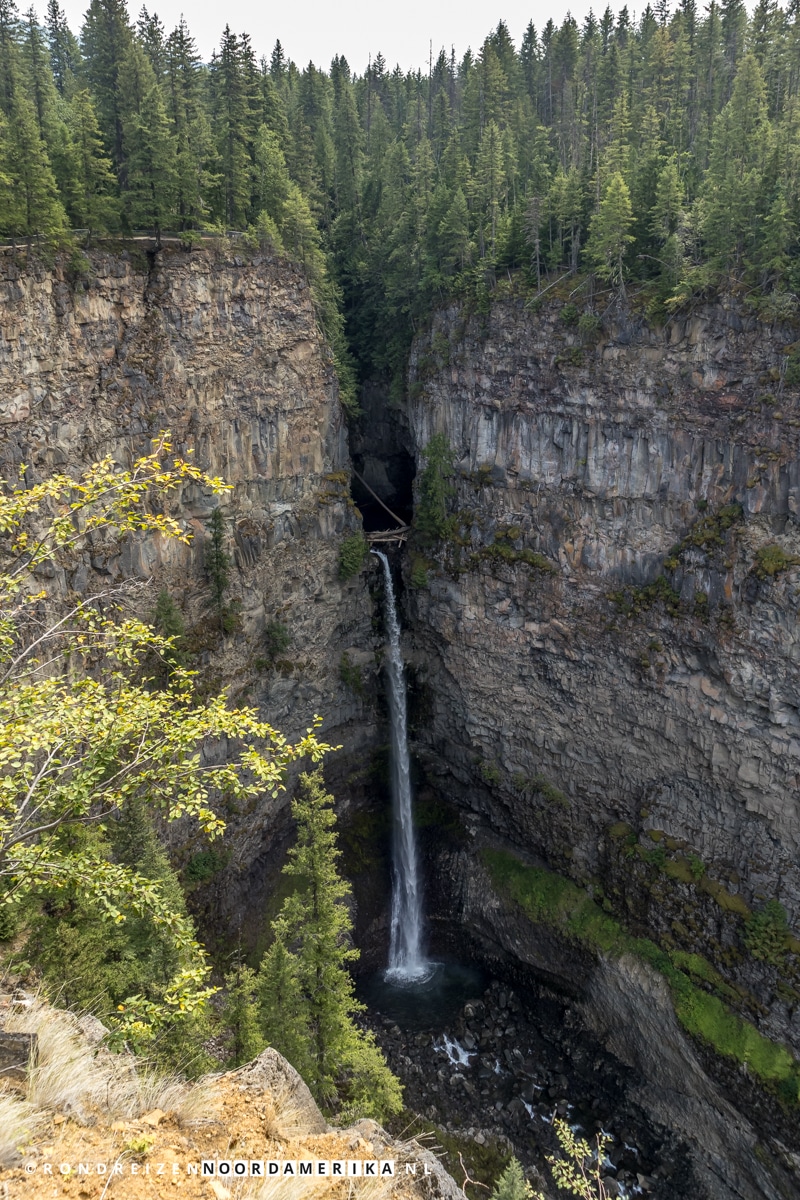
<point x="105" y="38"/>
<point x="512" y="1184"/>
<point x="9" y="54"/>
<point x="435" y="490"/>
<point x="152" y="37"/>
<point x="240" y="1015"/>
<point x="196" y="154"/>
<point x="729" y="206"/>
<point x="489" y="187"/>
<point x="93" y="202"/>
<point x="232" y="99"/>
<point x="284" y="1021"/>
<point x="35" y="209"/>
<point x="168" y="620"/>
<point x="454" y="236"/>
<point x="65" y="54"/>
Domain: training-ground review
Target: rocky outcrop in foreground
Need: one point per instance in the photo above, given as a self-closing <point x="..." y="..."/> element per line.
<point x="86" y="1123"/>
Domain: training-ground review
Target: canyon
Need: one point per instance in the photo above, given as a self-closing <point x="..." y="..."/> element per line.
<point x="602" y="651"/>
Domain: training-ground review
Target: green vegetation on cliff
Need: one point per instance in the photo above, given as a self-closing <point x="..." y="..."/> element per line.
<point x="553" y="900"/>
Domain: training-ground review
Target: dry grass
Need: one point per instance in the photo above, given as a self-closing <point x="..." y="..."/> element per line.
<point x="284" y="1117"/>
<point x="19" y="1122"/>
<point x="86" y="1105"/>
<point x="73" y="1076"/>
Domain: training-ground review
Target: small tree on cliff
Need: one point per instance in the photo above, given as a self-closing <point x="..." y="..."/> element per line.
<point x="217" y="565"/>
<point x="435" y="490"/>
<point x="307" y="994"/>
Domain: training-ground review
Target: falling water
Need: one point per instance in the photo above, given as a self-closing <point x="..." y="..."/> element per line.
<point x="407" y="963"/>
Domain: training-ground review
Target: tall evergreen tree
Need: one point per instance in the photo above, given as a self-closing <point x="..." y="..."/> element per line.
<point x="94" y="203"/>
<point x="609" y="236"/>
<point x="148" y="145"/>
<point x="65" y="54"/>
<point x="105" y="39"/>
<point x="313" y="930"/>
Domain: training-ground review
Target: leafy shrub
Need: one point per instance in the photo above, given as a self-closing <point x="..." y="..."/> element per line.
<point x="792" y="375"/>
<point x="489" y="772"/>
<point x="696" y="866"/>
<point x="205" y="865"/>
<point x="569" y="315"/>
<point x="419" y="573"/>
<point x="276" y="640"/>
<point x="589" y="325"/>
<point x="431" y="519"/>
<point x="772" y="560"/>
<point x="351" y="675"/>
<point x="352" y="553"/>
<point x="551" y="793"/>
<point x="766" y="932"/>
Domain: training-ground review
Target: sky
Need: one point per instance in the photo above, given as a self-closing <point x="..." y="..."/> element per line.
<point x="315" y="30"/>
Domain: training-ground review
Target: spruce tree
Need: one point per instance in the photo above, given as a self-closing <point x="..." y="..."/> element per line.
<point x="65" y="54"/>
<point x="512" y="1184"/>
<point x="240" y="1015"/>
<point x="190" y="122"/>
<point x="35" y="209"/>
<point x="94" y="202"/>
<point x="168" y="620"/>
<point x="609" y="238"/>
<point x="148" y="145"/>
<point x="105" y="39"/>
<point x="284" y="1021"/>
<point x="307" y="968"/>
<point x="233" y="101"/>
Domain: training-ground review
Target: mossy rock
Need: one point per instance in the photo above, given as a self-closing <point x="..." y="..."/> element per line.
<point x="620" y="830"/>
<point x="679" y="869"/>
<point x="553" y="900"/>
<point x="773" y="560"/>
<point x="725" y="899"/>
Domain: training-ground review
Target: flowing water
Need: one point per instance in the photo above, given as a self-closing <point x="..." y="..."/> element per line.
<point x="407" y="962"/>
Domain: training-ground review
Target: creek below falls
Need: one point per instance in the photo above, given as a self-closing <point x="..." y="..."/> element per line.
<point x="488" y="1055"/>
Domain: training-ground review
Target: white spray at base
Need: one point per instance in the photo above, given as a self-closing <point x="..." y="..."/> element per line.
<point x="407" y="963"/>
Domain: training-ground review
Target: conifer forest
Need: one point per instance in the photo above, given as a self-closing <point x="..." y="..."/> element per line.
<point x="660" y="151"/>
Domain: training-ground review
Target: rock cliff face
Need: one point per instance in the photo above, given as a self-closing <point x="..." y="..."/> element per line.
<point x="606" y="654"/>
<point x="226" y="354"/>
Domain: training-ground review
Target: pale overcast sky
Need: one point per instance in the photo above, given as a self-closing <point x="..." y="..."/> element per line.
<point x="315" y="30"/>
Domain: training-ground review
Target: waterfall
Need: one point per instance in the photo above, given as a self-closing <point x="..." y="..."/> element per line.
<point x="407" y="963"/>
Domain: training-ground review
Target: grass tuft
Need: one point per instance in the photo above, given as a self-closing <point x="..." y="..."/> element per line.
<point x="19" y="1122"/>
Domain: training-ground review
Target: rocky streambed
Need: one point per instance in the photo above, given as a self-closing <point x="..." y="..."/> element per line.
<point x="503" y="1065"/>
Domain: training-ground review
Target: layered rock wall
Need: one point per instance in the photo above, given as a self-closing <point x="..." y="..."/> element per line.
<point x="225" y="352"/>
<point x="609" y="662"/>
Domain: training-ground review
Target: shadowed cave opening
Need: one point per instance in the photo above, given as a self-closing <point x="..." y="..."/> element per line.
<point x="390" y="477"/>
